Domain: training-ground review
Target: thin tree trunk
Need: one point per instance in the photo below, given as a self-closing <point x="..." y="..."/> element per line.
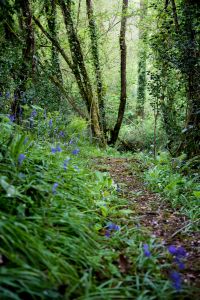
<point x="122" y="41"/>
<point x="141" y="89"/>
<point x="96" y="62"/>
<point x="191" y="55"/>
<point x="27" y="69"/>
<point x="80" y="69"/>
<point x="175" y="16"/>
<point x="50" y="7"/>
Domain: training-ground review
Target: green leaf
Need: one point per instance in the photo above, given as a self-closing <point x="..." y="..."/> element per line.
<point x="196" y="194"/>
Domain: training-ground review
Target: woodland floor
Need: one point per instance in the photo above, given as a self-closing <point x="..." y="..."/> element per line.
<point x="155" y="214"/>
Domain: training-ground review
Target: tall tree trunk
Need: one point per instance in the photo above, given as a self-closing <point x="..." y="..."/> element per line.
<point x="122" y="105"/>
<point x="191" y="55"/>
<point x="80" y="70"/>
<point x="50" y="7"/>
<point x="142" y="57"/>
<point x="96" y="62"/>
<point x="28" y="66"/>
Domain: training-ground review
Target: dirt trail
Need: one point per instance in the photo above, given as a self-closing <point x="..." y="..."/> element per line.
<point x="154" y="213"/>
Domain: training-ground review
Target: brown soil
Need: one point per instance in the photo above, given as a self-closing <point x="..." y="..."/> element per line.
<point x="155" y="214"/>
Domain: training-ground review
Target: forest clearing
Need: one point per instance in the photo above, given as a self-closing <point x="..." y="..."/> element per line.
<point x="99" y="149"/>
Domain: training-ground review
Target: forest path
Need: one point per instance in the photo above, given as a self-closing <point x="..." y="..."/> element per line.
<point x="154" y="213"/>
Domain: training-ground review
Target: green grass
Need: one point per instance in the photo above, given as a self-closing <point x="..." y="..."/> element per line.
<point x="52" y="237"/>
<point x="176" y="181"/>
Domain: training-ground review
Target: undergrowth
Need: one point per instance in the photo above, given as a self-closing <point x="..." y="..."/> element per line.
<point x="64" y="233"/>
<point x="177" y="180"/>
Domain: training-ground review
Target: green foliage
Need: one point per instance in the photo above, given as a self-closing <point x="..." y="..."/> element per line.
<point x="139" y="134"/>
<point x="170" y="177"/>
<point x="54" y="217"/>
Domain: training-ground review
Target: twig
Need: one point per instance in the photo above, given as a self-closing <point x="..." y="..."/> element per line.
<point x="187" y="225"/>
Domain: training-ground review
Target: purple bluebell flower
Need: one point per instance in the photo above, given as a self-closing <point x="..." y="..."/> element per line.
<point x="50" y="123"/>
<point x="181" y="252"/>
<point x="61" y="134"/>
<point x="107" y="233"/>
<point x="1" y="95"/>
<point x="71" y="142"/>
<point x="113" y="226"/>
<point x="176" y="280"/>
<point x="172" y="249"/>
<point x="21" y="158"/>
<point x="177" y="251"/>
<point x="55" y="185"/>
<point x="12" y="118"/>
<point x="75" y="151"/>
<point x="33" y="113"/>
<point x="179" y="263"/>
<point x="53" y="150"/>
<point x="147" y="252"/>
<point x="58" y="148"/>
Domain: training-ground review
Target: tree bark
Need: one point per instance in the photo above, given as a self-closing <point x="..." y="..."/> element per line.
<point x="96" y="62"/>
<point x="50" y="7"/>
<point x="81" y="71"/>
<point x="28" y="66"/>
<point x="141" y="89"/>
<point x="191" y="56"/>
<point x="122" y="42"/>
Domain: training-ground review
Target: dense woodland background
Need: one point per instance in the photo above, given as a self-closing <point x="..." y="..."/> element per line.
<point x="65" y="56"/>
<point x="91" y="77"/>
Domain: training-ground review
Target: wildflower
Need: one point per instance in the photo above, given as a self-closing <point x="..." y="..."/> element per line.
<point x="179" y="263"/>
<point x="54" y="187"/>
<point x="107" y="233"/>
<point x="71" y="142"/>
<point x="181" y="252"/>
<point x="66" y="161"/>
<point x="12" y="118"/>
<point x="33" y="113"/>
<point x="61" y="134"/>
<point x="50" y="123"/>
<point x="53" y="150"/>
<point x="172" y="250"/>
<point x="147" y="252"/>
<point x="75" y="151"/>
<point x="21" y="158"/>
<point x="1" y="95"/>
<point x="113" y="226"/>
<point x="58" y="148"/>
<point x="176" y="280"/>
<point x="178" y="252"/>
